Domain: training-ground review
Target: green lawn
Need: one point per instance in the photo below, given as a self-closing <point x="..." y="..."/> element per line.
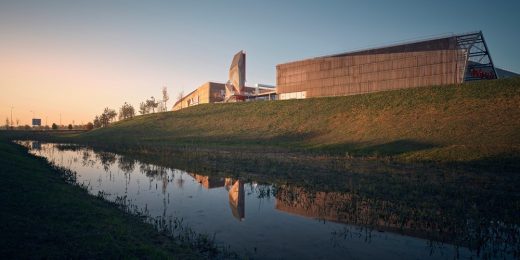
<point x="468" y="123"/>
<point x="457" y="123"/>
<point x="44" y="217"/>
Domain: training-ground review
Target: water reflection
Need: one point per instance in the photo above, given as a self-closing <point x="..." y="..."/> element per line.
<point x="236" y="200"/>
<point x="285" y="220"/>
<point x="36" y="146"/>
<point x="234" y="187"/>
<point x="106" y="159"/>
<point x="125" y="164"/>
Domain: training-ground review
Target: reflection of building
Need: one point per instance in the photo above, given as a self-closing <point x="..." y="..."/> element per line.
<point x="321" y="205"/>
<point x="36" y="145"/>
<point x="208" y="182"/>
<point x="353" y="209"/>
<point x="237" y="200"/>
<point x="235" y="188"/>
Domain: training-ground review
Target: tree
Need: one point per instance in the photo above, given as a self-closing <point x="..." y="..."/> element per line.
<point x="54" y="126"/>
<point x="107" y="116"/>
<point x="180" y="96"/>
<point x="126" y="111"/>
<point x="165" y="98"/>
<point x="70" y="127"/>
<point x="89" y="126"/>
<point x="143" y="108"/>
<point x="96" y="122"/>
<point x="151" y="103"/>
<point x="7" y="123"/>
<point x="17" y="122"/>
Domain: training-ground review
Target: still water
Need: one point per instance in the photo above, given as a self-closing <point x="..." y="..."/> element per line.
<point x="255" y="220"/>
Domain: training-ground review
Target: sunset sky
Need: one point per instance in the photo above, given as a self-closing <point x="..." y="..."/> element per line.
<point x="76" y="57"/>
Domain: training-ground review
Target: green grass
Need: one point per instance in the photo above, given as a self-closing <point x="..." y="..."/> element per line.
<point x="42" y="216"/>
<point x="471" y="122"/>
<point x="458" y="123"/>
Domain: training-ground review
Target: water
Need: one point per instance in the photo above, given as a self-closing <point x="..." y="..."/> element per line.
<point x="263" y="220"/>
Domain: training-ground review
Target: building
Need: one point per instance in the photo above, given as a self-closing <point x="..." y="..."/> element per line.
<point x="235" y="87"/>
<point x="234" y="90"/>
<point x="440" y="61"/>
<point x="210" y="92"/>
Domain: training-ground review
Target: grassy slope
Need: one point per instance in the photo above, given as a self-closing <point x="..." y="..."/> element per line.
<point x="44" y="217"/>
<point x="472" y="121"/>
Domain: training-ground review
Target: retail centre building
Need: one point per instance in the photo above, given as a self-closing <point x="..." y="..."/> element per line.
<point x="447" y="60"/>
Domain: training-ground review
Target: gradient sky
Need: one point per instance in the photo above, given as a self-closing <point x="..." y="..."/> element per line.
<point x="77" y="57"/>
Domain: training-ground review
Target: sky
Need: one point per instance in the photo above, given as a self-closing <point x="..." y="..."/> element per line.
<point x="74" y="58"/>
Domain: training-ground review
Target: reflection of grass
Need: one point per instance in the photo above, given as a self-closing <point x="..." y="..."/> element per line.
<point x="480" y="119"/>
<point x="44" y="217"/>
<point x="449" y="204"/>
<point x="460" y="205"/>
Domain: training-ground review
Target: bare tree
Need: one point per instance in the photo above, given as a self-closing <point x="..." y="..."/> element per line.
<point x="143" y="108"/>
<point x="165" y="98"/>
<point x="180" y="95"/>
<point x="6" y="122"/>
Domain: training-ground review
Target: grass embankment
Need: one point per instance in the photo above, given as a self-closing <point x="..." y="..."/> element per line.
<point x="468" y="122"/>
<point x="44" y="217"/>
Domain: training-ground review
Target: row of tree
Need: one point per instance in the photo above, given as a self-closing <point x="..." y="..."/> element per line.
<point x="105" y="118"/>
<point x="127" y="110"/>
<point x="9" y="123"/>
<point x="151" y="104"/>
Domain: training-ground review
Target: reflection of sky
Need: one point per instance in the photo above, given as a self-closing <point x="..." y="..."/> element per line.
<point x="272" y="232"/>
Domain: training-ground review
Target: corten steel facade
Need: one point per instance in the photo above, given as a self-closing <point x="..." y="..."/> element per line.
<point x="441" y="61"/>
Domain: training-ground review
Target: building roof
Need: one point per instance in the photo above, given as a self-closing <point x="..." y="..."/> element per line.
<point x="426" y="44"/>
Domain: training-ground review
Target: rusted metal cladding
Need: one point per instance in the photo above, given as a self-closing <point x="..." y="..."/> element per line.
<point x="436" y="62"/>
